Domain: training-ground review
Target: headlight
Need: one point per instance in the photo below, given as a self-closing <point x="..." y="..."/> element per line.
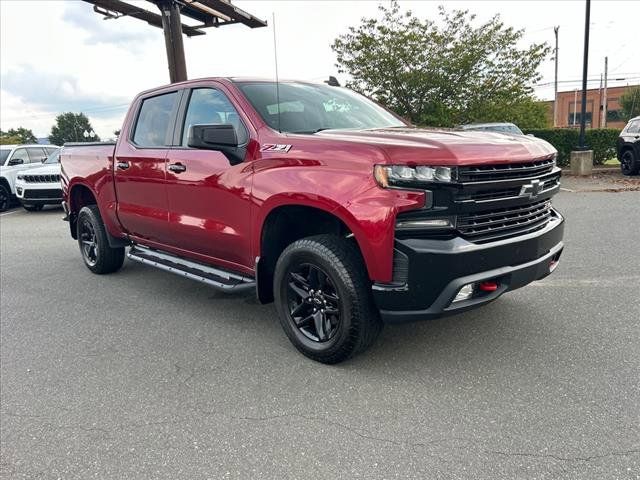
<point x="401" y="175"/>
<point x="20" y="177"/>
<point x="555" y="160"/>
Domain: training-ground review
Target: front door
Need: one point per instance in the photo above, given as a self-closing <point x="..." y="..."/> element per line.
<point x="139" y="169"/>
<point x="208" y="197"/>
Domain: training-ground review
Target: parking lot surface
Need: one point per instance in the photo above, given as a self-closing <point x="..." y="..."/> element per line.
<point x="143" y="374"/>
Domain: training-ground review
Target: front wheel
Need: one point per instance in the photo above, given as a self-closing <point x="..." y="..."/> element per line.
<point x="5" y="198"/>
<point x="323" y="298"/>
<point x="629" y="164"/>
<point x="98" y="256"/>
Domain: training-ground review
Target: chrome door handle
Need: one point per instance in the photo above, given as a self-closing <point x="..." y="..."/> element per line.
<point x="177" y="167"/>
<point x="123" y="165"/>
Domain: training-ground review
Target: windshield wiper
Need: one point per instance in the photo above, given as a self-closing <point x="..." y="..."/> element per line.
<point x="311" y="131"/>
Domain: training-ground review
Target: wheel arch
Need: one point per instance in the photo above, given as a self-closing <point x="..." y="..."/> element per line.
<point x="278" y="228"/>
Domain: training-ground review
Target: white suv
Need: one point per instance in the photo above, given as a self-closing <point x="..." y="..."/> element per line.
<point x="16" y="158"/>
<point x="37" y="187"/>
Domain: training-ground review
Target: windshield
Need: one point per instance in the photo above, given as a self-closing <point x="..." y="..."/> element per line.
<point x="54" y="157"/>
<point x="310" y="108"/>
<point x="4" y="153"/>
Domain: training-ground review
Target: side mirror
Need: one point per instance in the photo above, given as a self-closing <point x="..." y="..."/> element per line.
<point x="220" y="137"/>
<point x="15" y="161"/>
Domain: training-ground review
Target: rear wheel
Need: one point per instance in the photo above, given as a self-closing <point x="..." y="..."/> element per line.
<point x="98" y="256"/>
<point x="5" y="198"/>
<point x="323" y="299"/>
<point x="629" y="164"/>
<point x="33" y="208"/>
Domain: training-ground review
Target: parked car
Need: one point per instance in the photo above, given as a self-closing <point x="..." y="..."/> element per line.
<point x="15" y="158"/>
<point x="37" y="187"/>
<point x="628" y="147"/>
<point x="504" y="127"/>
<point x="318" y="199"/>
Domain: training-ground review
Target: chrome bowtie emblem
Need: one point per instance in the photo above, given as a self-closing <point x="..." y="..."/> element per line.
<point x="532" y="189"/>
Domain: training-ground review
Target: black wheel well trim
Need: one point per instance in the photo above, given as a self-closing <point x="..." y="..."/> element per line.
<point x="89" y="199"/>
<point x="5" y="183"/>
<point x="279" y="230"/>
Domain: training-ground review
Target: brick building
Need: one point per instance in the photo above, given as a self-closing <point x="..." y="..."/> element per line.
<point x="569" y="102"/>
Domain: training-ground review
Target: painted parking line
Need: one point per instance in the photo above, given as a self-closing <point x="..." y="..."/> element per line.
<point x="8" y="213"/>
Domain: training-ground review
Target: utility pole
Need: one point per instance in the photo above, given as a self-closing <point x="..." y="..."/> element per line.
<point x="555" y="88"/>
<point x="603" y="122"/>
<point x="172" y="26"/>
<point x="581" y="158"/>
<point x="585" y="66"/>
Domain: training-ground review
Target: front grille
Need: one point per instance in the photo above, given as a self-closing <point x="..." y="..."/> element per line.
<point x="489" y="225"/>
<point x="44" y="193"/>
<point x="42" y="178"/>
<point x="485" y="173"/>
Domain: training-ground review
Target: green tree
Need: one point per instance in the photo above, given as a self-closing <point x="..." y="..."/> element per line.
<point x="17" y="135"/>
<point x="630" y="103"/>
<point x="443" y="73"/>
<point x="71" y="127"/>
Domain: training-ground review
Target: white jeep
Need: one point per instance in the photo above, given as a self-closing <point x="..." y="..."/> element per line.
<point x="37" y="187"/>
<point x="17" y="158"/>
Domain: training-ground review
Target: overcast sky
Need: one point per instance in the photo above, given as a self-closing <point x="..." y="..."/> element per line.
<point x="60" y="56"/>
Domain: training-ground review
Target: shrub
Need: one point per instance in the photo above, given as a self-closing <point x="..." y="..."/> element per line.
<point x="601" y="140"/>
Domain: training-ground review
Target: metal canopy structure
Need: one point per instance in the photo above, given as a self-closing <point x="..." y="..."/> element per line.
<point x="208" y="13"/>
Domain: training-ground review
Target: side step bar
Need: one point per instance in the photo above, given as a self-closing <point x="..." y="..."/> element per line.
<point x="218" y="278"/>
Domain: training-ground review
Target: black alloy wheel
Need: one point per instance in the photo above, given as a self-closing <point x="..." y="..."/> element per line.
<point x="89" y="241"/>
<point x="314" y="304"/>
<point x="323" y="298"/>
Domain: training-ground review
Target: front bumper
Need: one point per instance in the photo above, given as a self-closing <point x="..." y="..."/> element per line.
<point x="38" y="194"/>
<point x="437" y="269"/>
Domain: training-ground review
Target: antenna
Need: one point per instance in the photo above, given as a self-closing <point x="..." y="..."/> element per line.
<point x="275" y="56"/>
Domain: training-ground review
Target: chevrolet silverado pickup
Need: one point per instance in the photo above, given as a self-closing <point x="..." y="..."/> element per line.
<point x="318" y="199"/>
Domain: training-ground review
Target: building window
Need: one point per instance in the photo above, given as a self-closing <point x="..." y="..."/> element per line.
<point x="578" y="118"/>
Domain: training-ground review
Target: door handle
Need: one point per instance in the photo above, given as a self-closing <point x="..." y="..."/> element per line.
<point x="177" y="167"/>
<point x="123" y="165"/>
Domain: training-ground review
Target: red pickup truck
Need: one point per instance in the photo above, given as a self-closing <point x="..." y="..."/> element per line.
<point x="320" y="200"/>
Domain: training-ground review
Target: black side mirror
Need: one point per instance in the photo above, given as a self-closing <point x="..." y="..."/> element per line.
<point x="221" y="137"/>
<point x="15" y="161"/>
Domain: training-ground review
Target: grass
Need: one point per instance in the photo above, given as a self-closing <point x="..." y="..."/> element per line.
<point x="612" y="161"/>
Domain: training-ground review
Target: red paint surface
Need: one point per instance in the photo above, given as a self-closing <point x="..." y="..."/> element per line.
<point x="214" y="212"/>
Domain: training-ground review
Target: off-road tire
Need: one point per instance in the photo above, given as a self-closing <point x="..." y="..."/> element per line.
<point x="629" y="163"/>
<point x="101" y="258"/>
<point x="358" y="324"/>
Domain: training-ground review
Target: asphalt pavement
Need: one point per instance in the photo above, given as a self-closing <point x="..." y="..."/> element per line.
<point x="146" y="375"/>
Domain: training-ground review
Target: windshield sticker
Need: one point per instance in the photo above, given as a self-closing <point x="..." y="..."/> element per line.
<point x="270" y="147"/>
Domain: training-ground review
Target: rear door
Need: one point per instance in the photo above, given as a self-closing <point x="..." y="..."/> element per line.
<point x="208" y="197"/>
<point x="139" y="168"/>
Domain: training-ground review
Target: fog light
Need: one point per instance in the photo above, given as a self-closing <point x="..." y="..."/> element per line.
<point x="19" y="190"/>
<point x="464" y="293"/>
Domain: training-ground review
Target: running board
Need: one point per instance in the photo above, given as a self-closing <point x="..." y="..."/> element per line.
<point x="218" y="278"/>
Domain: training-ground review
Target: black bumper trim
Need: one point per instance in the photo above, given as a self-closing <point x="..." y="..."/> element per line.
<point x="438" y="269"/>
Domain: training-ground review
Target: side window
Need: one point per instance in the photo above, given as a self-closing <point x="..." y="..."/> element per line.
<point x="634" y="127"/>
<point x="50" y="150"/>
<point x="211" y="106"/>
<point x="36" y="154"/>
<point x="19" y="154"/>
<point x="155" y="121"/>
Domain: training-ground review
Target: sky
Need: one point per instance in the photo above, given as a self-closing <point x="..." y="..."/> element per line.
<point x="58" y="56"/>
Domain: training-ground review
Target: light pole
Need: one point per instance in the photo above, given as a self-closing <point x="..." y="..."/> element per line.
<point x="555" y="83"/>
<point x="89" y="135"/>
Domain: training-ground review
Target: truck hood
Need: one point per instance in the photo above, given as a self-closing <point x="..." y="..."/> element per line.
<point x="53" y="169"/>
<point x="424" y="146"/>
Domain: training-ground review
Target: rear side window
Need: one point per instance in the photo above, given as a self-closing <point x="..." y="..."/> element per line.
<point x="36" y="154"/>
<point x="155" y="121"/>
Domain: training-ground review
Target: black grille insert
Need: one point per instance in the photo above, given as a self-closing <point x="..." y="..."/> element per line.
<point x="485" y="226"/>
<point x="485" y="173"/>
<point x="44" y="193"/>
<point x="53" y="178"/>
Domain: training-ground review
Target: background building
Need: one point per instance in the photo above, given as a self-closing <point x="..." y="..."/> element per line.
<point x="570" y="107"/>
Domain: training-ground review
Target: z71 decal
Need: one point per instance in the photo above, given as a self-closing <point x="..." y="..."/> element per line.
<point x="270" y="147"/>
